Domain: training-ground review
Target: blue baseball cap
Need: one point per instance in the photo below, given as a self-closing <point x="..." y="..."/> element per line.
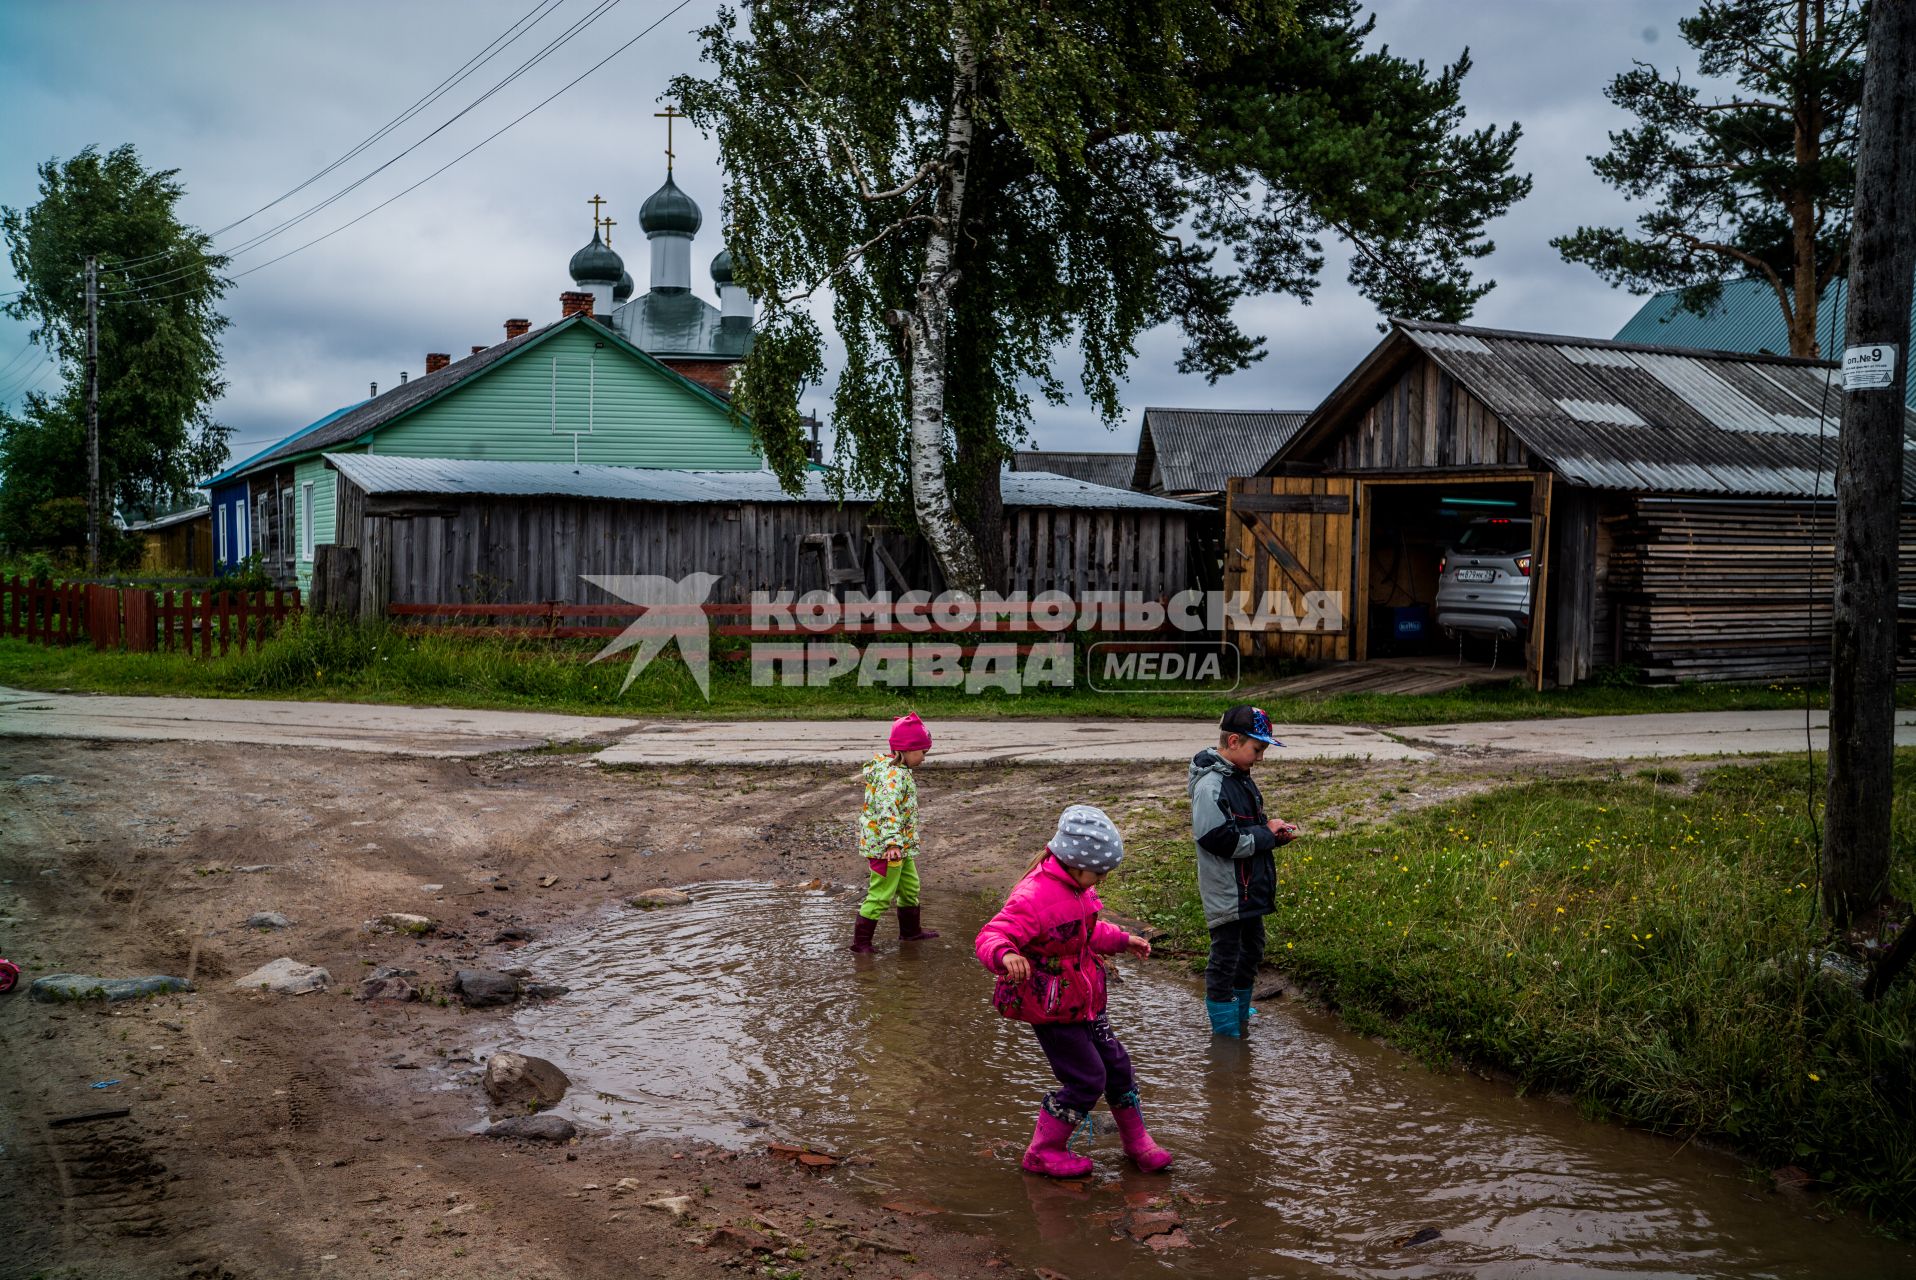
<point x="1249" y="721"/>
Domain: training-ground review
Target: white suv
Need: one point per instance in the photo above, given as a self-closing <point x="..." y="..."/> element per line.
<point x="1483" y="584"/>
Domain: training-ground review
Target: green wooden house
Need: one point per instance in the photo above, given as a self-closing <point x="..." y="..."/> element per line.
<point x="575" y="391"/>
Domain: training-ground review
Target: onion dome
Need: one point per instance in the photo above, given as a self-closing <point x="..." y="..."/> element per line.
<point x="596" y="264"/>
<point x="722" y="268"/>
<point x="623" y="289"/>
<point x="669" y="211"/>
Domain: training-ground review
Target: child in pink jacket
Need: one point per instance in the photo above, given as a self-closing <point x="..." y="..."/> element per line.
<point x="1047" y="946"/>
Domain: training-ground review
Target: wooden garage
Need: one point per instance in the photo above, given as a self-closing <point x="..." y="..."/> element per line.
<point x="1679" y="503"/>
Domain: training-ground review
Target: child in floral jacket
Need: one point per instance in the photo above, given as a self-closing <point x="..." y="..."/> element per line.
<point x="888" y="835"/>
<point x="1047" y="947"/>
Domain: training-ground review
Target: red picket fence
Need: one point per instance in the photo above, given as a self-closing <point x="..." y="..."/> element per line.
<point x="42" y="614"/>
<point x="202" y="620"/>
<point x="191" y="621"/>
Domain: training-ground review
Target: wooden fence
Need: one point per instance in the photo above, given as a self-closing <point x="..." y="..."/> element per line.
<point x="140" y="621"/>
<point x="1015" y="623"/>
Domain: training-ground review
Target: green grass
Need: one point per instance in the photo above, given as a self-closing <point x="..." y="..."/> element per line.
<point x="1632" y="943"/>
<point x="318" y="660"/>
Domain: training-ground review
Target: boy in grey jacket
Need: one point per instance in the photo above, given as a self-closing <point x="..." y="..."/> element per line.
<point x="1237" y="876"/>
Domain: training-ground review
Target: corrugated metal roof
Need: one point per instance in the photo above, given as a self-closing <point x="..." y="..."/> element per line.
<point x="1199" y="450"/>
<point x="1653" y="419"/>
<point x="169" y="520"/>
<point x="1113" y="469"/>
<point x="1747" y="319"/>
<point x="383" y="473"/>
<point x="239" y="468"/>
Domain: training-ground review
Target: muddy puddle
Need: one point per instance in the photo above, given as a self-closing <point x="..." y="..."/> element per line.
<point x="1304" y="1152"/>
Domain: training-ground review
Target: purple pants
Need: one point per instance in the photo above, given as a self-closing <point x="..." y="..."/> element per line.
<point x="1088" y="1060"/>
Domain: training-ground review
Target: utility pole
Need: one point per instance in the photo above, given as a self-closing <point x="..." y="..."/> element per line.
<point x="1869" y="473"/>
<point x="92" y="414"/>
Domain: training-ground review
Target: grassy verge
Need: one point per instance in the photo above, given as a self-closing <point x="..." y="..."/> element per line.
<point x="1634" y="943"/>
<point x="344" y="663"/>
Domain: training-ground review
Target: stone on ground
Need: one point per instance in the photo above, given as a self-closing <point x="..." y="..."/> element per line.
<point x="537" y="1128"/>
<point x="267" y="920"/>
<point x="517" y="1081"/>
<point x="482" y="988"/>
<point x="286" y="977"/>
<point x="79" y="986"/>
<point x="661" y="898"/>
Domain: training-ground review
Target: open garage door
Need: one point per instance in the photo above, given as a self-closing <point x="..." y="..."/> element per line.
<point x="1291" y="535"/>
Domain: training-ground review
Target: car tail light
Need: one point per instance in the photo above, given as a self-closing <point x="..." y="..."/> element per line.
<point x="1441" y="562"/>
<point x="1523" y="565"/>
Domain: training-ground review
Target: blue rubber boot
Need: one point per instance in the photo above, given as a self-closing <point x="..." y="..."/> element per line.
<point x="1224" y="1018"/>
<point x="1244" y="1010"/>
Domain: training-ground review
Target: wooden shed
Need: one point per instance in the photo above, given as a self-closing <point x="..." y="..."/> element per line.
<point x="1680" y="501"/>
<point x="179" y="543"/>
<point x="455" y="531"/>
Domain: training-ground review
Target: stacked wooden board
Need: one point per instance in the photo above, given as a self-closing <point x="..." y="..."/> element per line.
<point x="1703" y="589"/>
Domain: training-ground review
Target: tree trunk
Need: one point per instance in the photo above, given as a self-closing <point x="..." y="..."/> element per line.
<point x="951" y="543"/>
<point x="1869" y="479"/>
<point x="1802" y="200"/>
<point x="980" y="463"/>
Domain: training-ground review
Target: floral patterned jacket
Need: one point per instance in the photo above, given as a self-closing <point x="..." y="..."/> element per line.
<point x="889" y="819"/>
<point x="1053" y="922"/>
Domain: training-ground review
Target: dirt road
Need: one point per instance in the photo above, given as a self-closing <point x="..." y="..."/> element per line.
<point x="313" y="1135"/>
<point x="450" y="733"/>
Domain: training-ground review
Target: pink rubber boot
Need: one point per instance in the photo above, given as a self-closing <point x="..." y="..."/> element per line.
<point x="1146" y="1154"/>
<point x="1048" y="1154"/>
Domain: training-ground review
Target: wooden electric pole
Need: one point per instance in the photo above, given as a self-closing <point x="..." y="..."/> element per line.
<point x="1869" y="473"/>
<point x="92" y="414"/>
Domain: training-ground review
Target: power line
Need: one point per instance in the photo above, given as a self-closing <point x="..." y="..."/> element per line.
<point x="280" y="228"/>
<point x="492" y="49"/>
<point x="482" y="142"/>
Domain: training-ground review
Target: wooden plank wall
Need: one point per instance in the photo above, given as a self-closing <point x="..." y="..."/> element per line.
<point x="1424" y="419"/>
<point x="1320" y="540"/>
<point x="462" y="550"/>
<point x="1732" y="590"/>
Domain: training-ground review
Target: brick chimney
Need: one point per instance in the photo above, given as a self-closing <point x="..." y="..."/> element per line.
<point x="517" y="329"/>
<point x="574" y="302"/>
<point x="437" y="360"/>
<point x="477" y="347"/>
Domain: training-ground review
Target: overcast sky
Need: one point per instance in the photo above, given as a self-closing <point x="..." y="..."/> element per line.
<point x="249" y="99"/>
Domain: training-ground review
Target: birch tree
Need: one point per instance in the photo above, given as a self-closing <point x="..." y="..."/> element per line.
<point x="967" y="189"/>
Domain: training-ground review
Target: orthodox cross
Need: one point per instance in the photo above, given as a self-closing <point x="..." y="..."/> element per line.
<point x="608" y="224"/>
<point x="668" y="115"/>
<point x="595" y="202"/>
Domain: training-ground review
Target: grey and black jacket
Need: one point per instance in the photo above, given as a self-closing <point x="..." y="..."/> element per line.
<point x="1237" y="876"/>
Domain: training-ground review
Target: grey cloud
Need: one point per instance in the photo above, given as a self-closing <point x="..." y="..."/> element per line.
<point x="246" y="99"/>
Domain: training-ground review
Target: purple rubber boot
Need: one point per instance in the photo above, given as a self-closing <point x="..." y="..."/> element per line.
<point x="862" y="936"/>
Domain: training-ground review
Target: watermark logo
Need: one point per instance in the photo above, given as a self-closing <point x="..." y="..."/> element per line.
<point x="957" y="641"/>
<point x="1184" y="666"/>
<point x="674" y="610"/>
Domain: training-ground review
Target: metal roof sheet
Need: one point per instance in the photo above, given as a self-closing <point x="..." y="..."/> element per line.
<point x="1199" y="450"/>
<point x="1646" y="418"/>
<point x="1746" y="318"/>
<point x="1113" y="469"/>
<point x="384" y="473"/>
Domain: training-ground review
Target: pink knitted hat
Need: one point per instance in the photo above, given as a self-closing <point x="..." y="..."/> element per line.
<point x="908" y="733"/>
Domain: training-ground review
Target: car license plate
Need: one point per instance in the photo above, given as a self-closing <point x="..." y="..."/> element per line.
<point x="1476" y="575"/>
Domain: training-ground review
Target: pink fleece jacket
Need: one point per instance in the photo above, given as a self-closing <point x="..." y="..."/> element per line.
<point x="1053" y="921"/>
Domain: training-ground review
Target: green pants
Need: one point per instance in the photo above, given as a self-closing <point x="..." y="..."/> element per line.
<point x="897" y="887"/>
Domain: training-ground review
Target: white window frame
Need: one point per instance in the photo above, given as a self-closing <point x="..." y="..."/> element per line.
<point x="222" y="551"/>
<point x="306" y="520"/>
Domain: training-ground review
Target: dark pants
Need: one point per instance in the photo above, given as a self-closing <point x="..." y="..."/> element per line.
<point x="1088" y="1060"/>
<point x="1237" y="949"/>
